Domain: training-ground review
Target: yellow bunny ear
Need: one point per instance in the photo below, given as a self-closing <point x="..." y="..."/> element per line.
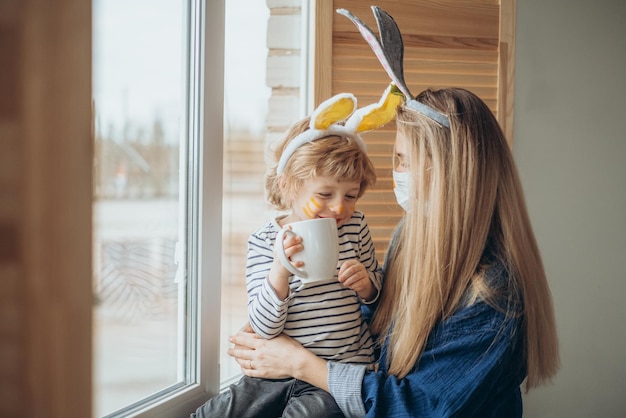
<point x="377" y="114"/>
<point x="336" y="109"/>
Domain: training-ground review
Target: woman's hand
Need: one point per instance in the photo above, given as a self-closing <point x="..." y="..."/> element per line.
<point x="277" y="358"/>
<point x="353" y="274"/>
<point x="271" y="359"/>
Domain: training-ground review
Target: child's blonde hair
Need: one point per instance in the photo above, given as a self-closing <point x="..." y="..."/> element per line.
<point x="337" y="157"/>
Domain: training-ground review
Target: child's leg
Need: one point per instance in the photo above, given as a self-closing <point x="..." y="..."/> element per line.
<point x="248" y="398"/>
<point x="309" y="401"/>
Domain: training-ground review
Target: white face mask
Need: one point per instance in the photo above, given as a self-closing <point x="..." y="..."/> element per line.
<point x="402" y="183"/>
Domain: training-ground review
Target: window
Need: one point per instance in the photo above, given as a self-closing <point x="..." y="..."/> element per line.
<point x="173" y="203"/>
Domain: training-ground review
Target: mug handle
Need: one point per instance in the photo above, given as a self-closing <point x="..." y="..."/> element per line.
<point x="280" y="251"/>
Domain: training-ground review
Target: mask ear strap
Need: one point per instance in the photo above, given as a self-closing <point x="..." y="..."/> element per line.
<point x="390" y="53"/>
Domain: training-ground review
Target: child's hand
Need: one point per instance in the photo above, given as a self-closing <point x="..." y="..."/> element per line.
<point x="292" y="244"/>
<point x="354" y="275"/>
<point x="279" y="275"/>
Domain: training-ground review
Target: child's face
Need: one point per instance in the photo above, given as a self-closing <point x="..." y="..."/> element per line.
<point x="324" y="197"/>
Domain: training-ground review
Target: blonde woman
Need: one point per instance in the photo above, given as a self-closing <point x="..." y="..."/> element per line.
<point x="465" y="314"/>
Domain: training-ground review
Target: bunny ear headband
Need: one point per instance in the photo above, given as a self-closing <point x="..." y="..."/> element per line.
<point x="326" y="119"/>
<point x="390" y="52"/>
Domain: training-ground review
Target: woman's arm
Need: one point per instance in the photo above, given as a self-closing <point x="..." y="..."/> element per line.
<point x="473" y="365"/>
<point x="277" y="358"/>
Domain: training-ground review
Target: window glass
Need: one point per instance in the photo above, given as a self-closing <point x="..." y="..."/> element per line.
<point x="139" y="286"/>
<point x="244" y="208"/>
<point x="263" y="79"/>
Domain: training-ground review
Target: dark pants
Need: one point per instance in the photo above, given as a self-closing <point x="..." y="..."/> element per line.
<point x="261" y="398"/>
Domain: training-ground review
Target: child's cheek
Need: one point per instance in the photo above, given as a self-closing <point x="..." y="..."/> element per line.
<point x="311" y="208"/>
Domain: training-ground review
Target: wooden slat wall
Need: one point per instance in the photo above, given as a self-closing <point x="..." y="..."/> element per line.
<point x="447" y="43"/>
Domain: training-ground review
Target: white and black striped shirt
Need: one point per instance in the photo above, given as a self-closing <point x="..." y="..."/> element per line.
<point x="324" y="317"/>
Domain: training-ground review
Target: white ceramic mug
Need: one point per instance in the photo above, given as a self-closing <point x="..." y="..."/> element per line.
<point x="321" y="249"/>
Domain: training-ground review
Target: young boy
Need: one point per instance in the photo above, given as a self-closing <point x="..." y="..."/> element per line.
<point x="322" y="171"/>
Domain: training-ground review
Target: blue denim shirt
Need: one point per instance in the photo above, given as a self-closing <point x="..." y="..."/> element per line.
<point x="472" y="366"/>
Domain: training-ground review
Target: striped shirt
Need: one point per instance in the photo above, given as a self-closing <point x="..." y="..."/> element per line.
<point x="324" y="317"/>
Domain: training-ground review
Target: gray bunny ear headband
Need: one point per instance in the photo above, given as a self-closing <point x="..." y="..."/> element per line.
<point x="390" y="52"/>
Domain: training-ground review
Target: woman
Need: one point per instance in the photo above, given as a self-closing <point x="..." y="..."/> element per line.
<point x="465" y="313"/>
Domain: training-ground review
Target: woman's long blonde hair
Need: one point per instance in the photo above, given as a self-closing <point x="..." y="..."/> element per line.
<point x="467" y="201"/>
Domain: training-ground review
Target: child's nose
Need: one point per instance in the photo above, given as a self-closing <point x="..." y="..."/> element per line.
<point x="337" y="208"/>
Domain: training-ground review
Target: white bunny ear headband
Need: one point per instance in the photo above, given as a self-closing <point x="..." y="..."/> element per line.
<point x="390" y="52"/>
<point x="326" y="120"/>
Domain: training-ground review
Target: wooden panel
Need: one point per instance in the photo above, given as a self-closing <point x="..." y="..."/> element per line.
<point x="457" y="18"/>
<point x="9" y="44"/>
<point x="506" y="70"/>
<point x="55" y="125"/>
<point x="324" y="15"/>
<point x="12" y="394"/>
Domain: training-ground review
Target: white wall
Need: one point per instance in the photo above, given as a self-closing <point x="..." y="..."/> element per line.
<point x="570" y="146"/>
